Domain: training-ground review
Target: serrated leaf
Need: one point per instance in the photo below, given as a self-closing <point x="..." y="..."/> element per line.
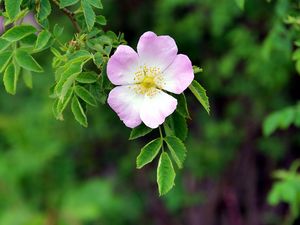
<point x="4" y="44"/>
<point x="139" y="131"/>
<point x="27" y="78"/>
<point x="98" y="59"/>
<point x="182" y="108"/>
<point x="10" y="78"/>
<point x="16" y="33"/>
<point x="148" y="152"/>
<point x="165" y="174"/>
<point x="240" y="3"/>
<point x="78" y="112"/>
<point x="87" y="77"/>
<point x="27" y="61"/>
<point x="89" y="14"/>
<point x="96" y="3"/>
<point x="62" y="103"/>
<point x="4" y="59"/>
<point x="101" y="20"/>
<point x="180" y="126"/>
<point x="177" y="149"/>
<point x="12" y="8"/>
<point x="65" y="3"/>
<point x="85" y="95"/>
<point x="200" y="94"/>
<point x="44" y="9"/>
<point x="42" y="39"/>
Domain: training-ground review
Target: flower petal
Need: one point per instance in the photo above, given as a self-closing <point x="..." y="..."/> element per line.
<point x="179" y="75"/>
<point x="122" y="65"/>
<point x="156" y="108"/>
<point x="158" y="51"/>
<point x="126" y="103"/>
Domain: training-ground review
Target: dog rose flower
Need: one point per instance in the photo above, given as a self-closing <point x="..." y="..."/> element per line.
<point x="145" y="77"/>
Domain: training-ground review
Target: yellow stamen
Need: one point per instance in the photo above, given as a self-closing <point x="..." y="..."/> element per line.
<point x="148" y="80"/>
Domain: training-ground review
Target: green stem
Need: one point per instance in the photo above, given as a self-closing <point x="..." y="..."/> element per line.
<point x="162" y="137"/>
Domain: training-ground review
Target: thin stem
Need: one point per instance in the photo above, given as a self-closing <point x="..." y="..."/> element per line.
<point x="70" y="14"/>
<point x="162" y="137"/>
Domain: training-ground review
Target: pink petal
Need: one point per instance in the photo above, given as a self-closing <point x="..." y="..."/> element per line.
<point x="179" y="75"/>
<point x="156" y="108"/>
<point x="158" y="51"/>
<point x="122" y="65"/>
<point x="126" y="103"/>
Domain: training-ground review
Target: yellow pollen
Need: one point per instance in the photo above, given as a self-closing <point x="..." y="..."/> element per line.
<point x="148" y="80"/>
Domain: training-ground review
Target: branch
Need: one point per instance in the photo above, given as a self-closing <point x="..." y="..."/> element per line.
<point x="70" y="14"/>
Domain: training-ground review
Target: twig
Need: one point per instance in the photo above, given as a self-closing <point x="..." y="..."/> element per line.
<point x="70" y="14"/>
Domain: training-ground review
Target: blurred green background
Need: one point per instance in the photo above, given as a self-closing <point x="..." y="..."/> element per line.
<point x="58" y="173"/>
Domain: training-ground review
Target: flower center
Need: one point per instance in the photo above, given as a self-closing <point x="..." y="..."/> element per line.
<point x="148" y="80"/>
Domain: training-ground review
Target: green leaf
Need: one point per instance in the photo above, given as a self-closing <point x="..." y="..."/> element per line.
<point x="240" y="3"/>
<point x="4" y="44"/>
<point x="148" y="152"/>
<point x="165" y="174"/>
<point x="182" y="108"/>
<point x="96" y="3"/>
<point x="101" y="20"/>
<point x="78" y="112"/>
<point x="180" y="126"/>
<point x="280" y="119"/>
<point x="62" y="103"/>
<point x="139" y="131"/>
<point x="27" y="61"/>
<point x="27" y="78"/>
<point x="42" y="39"/>
<point x="89" y="14"/>
<point x="57" y="30"/>
<point x="200" y="94"/>
<point x="12" y="8"/>
<point x="44" y="9"/>
<point x="87" y="77"/>
<point x="10" y="78"/>
<point x="85" y="95"/>
<point x="296" y="54"/>
<point x="4" y="60"/>
<point x="65" y="3"/>
<point x="16" y="33"/>
<point x="98" y="59"/>
<point x="177" y="149"/>
<point x="197" y="69"/>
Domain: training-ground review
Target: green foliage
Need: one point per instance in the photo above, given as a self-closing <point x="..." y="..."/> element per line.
<point x="89" y="14"/>
<point x="177" y="149"/>
<point x="286" y="189"/>
<point x="282" y="119"/>
<point x="165" y="174"/>
<point x="149" y="152"/>
<point x="17" y="33"/>
<point x="139" y="131"/>
<point x="12" y="8"/>
<point x="240" y="3"/>
<point x="78" y="112"/>
<point x="200" y="94"/>
<point x="65" y="3"/>
<point x="26" y="61"/>
<point x="10" y="78"/>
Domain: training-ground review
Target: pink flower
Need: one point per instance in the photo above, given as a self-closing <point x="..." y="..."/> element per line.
<point x="145" y="77"/>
